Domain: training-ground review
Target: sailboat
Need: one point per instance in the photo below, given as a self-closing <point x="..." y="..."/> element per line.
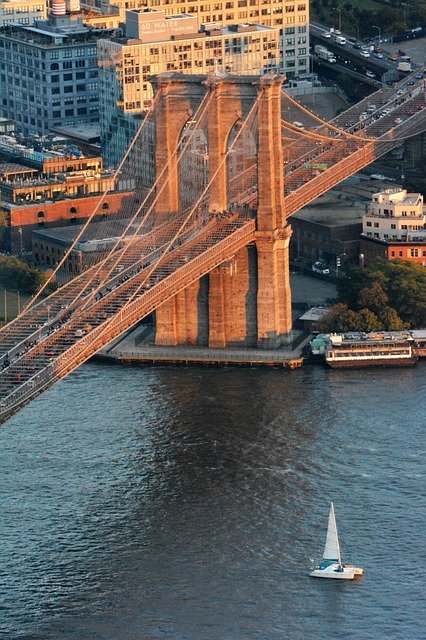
<point x="331" y="565"/>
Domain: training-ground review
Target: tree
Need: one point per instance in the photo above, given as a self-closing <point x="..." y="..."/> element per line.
<point x="366" y="320"/>
<point x="391" y="320"/>
<point x="3" y="223"/>
<point x="373" y="297"/>
<point x="16" y="274"/>
<point x="338" y="319"/>
<point x="395" y="284"/>
<point x="351" y="284"/>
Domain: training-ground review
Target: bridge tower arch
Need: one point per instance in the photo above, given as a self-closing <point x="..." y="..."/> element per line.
<point x="246" y="301"/>
<point x="178" y="102"/>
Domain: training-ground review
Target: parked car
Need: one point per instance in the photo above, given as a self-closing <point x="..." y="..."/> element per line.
<point x="319" y="267"/>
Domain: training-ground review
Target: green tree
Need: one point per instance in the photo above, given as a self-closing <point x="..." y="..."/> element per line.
<point x="373" y="298"/>
<point x="3" y="223"/>
<point x="391" y="320"/>
<point x="338" y="319"/>
<point x="366" y="320"/>
<point x="16" y="274"/>
<point x="397" y="284"/>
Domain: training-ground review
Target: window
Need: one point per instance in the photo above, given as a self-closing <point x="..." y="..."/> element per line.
<point x="368" y="224"/>
<point x="105" y="205"/>
<point x="73" y="210"/>
<point x="40" y="215"/>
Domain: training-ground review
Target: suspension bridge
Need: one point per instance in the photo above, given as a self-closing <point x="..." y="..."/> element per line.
<point x="205" y="243"/>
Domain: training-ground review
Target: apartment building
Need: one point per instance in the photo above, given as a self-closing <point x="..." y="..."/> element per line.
<point x="23" y="12"/>
<point x="394" y="227"/>
<point x="49" y="74"/>
<point x="291" y="17"/>
<point x="157" y="43"/>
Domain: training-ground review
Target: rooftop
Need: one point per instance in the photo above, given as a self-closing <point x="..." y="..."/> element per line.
<point x="314" y="314"/>
<point x="98" y="233"/>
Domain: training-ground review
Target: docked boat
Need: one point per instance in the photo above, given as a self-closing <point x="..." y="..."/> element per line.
<point x="331" y="565"/>
<point x="369" y="349"/>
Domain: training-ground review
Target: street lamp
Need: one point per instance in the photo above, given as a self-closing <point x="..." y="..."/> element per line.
<point x="20" y="241"/>
<point x="380" y="32"/>
<point x="340" y="17"/>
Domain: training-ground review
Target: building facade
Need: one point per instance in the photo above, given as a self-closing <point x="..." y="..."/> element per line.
<point x="291" y="17"/>
<point x="49" y="75"/>
<point x="23" y="12"/>
<point x="64" y="192"/>
<point x="157" y="43"/>
<point x="394" y="227"/>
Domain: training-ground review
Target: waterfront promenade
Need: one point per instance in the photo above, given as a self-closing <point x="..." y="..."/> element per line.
<point x="137" y="346"/>
<point x="130" y="350"/>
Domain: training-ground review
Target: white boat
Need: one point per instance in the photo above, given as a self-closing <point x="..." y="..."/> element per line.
<point x="331" y="565"/>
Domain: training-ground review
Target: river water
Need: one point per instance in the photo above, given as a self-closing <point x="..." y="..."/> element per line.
<point x="186" y="503"/>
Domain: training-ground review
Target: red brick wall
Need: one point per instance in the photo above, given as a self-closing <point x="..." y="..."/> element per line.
<point x="395" y="251"/>
<point x="56" y="214"/>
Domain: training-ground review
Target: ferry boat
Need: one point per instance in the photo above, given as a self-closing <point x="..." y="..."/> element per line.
<point x="419" y="342"/>
<point x="369" y="349"/>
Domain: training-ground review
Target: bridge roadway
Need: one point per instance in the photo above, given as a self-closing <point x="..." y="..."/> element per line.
<point x="73" y="331"/>
<point x="380" y="65"/>
<point x="342" y="68"/>
<point x="61" y="332"/>
<point x="345" y="156"/>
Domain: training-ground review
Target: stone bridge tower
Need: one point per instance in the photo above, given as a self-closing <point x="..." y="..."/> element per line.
<point x="247" y="301"/>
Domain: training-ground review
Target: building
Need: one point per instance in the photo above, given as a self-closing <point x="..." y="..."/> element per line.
<point x="326" y="232"/>
<point x="156" y="43"/>
<point x="23" y="12"/>
<point x="6" y="126"/>
<point x="50" y="245"/>
<point x="291" y="17"/>
<point x="49" y="74"/>
<point x="45" y="189"/>
<point x="394" y="227"/>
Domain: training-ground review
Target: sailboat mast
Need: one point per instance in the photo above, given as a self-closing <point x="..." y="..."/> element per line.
<point x="332" y="546"/>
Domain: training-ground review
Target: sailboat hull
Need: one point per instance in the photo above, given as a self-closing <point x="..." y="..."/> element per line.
<point x="335" y="572"/>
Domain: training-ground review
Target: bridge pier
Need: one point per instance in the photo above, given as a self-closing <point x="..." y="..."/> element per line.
<point x="249" y="298"/>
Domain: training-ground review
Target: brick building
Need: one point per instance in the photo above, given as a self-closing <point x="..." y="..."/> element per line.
<point x="62" y="192"/>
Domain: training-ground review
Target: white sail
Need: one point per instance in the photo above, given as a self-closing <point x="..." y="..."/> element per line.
<point x="332" y="547"/>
